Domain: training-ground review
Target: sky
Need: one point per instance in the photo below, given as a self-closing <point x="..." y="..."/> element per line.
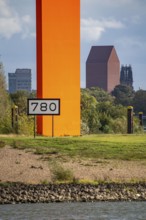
<point x="121" y="23"/>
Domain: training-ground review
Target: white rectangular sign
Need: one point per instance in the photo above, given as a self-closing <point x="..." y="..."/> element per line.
<point x="43" y="106"/>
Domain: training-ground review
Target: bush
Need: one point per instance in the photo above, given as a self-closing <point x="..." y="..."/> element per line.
<point x="16" y="144"/>
<point x="137" y="128"/>
<point x="2" y="144"/>
<point x="62" y="174"/>
<point x="6" y="122"/>
<point x="25" y="125"/>
<point x="5" y="126"/>
<point x="119" y="125"/>
<point x="84" y="128"/>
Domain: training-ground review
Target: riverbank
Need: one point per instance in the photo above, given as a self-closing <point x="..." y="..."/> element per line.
<point x="114" y="165"/>
<point x="28" y="193"/>
<point x="24" y="166"/>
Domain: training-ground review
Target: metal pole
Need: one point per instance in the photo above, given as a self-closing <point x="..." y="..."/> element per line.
<point x="52" y="125"/>
<point x="34" y="126"/>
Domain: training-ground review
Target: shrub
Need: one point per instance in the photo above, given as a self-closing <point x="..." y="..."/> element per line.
<point x="84" y="128"/>
<point x="5" y="123"/>
<point x="62" y="174"/>
<point x="25" y="125"/>
<point x="2" y="144"/>
<point x="16" y="143"/>
<point x="119" y="125"/>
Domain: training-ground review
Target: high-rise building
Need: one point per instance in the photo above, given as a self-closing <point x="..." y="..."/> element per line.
<point x="103" y="68"/>
<point x="126" y="76"/>
<point x="20" y="80"/>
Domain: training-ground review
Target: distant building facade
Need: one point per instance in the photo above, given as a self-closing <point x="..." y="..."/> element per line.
<point x="103" y="68"/>
<point x="20" y="80"/>
<point x="126" y="76"/>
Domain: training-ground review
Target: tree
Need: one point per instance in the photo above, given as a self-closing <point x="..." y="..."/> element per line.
<point x="5" y="109"/>
<point x="99" y="94"/>
<point x="112" y="117"/>
<point x="139" y="101"/>
<point x="88" y="112"/>
<point x="123" y="95"/>
<point x="102" y="116"/>
<point x="19" y="98"/>
<point x="25" y="123"/>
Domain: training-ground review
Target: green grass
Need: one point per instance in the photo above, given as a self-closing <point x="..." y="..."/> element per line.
<point x="123" y="147"/>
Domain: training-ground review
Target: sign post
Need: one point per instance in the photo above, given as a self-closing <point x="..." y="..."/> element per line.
<point x="34" y="126"/>
<point x="43" y="107"/>
<point x="52" y="125"/>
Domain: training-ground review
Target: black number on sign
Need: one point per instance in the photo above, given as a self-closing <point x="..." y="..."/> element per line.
<point x="35" y="105"/>
<point x="43" y="107"/>
<point x="52" y="107"/>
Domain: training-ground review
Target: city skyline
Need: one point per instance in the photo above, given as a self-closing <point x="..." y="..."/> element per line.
<point x="107" y="22"/>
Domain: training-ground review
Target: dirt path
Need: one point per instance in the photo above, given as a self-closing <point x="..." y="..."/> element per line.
<point x="23" y="166"/>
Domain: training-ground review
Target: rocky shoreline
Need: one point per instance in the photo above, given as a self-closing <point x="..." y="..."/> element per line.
<point x="27" y="193"/>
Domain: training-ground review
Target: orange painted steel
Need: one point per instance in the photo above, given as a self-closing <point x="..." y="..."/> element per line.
<point x="58" y="63"/>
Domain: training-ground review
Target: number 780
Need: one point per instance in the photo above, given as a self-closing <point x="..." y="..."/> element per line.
<point x="44" y="106"/>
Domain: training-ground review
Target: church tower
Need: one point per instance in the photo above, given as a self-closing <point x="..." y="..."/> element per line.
<point x="126" y="76"/>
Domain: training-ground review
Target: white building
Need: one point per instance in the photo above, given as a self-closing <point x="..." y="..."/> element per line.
<point x="20" y="80"/>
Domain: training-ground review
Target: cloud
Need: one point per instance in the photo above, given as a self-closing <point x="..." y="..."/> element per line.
<point x="26" y="19"/>
<point x="111" y="3"/>
<point x="131" y="42"/>
<point x="4" y="9"/>
<point x="92" y="29"/>
<point x="132" y="49"/>
<point x="12" y="23"/>
<point x="9" y="26"/>
<point x="26" y="23"/>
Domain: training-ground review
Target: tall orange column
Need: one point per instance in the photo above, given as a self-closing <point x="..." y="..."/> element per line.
<point x="58" y="63"/>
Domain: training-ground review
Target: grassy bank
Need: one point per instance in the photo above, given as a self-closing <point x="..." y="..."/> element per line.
<point x="120" y="147"/>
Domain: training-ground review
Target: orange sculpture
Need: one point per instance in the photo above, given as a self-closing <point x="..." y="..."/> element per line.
<point x="58" y="63"/>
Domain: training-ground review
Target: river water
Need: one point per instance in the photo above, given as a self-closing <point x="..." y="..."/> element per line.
<point x="75" y="211"/>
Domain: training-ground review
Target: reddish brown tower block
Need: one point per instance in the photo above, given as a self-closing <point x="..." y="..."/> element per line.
<point x="103" y="68"/>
